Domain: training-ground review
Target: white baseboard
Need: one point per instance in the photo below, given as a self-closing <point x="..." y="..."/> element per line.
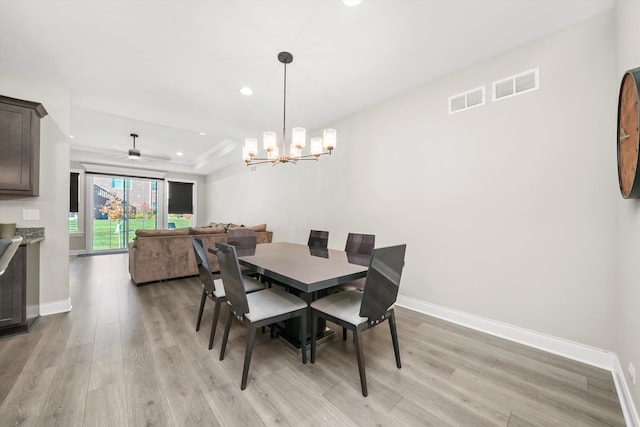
<point x="55" y="307"/>
<point x="626" y="401"/>
<point x="580" y="352"/>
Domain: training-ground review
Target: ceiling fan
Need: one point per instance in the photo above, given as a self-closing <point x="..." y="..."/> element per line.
<point x="134" y="153"/>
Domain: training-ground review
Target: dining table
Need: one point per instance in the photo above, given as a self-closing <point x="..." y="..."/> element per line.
<point x="305" y="271"/>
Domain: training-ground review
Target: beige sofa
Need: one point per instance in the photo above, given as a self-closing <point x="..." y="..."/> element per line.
<point x="168" y="254"/>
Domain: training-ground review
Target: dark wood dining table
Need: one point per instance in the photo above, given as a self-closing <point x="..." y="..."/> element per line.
<point x="304" y="268"/>
<point x="307" y="272"/>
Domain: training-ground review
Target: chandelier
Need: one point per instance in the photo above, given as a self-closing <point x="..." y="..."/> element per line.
<point x="319" y="146"/>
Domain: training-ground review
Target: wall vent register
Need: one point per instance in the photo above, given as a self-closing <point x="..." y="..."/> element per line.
<point x="516" y="85"/>
<point x="469" y="99"/>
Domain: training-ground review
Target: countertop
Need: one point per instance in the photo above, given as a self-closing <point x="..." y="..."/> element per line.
<point x="30" y="235"/>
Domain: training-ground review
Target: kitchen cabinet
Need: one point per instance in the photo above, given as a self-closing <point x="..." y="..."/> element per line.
<point x="20" y="291"/>
<point x="20" y="146"/>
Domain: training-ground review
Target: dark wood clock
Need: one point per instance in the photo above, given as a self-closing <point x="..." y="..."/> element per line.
<point x="628" y="135"/>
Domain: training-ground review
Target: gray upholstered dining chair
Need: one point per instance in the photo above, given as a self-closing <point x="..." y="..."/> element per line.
<point x="257" y="309"/>
<point x="360" y="311"/>
<point x="213" y="289"/>
<point x="318" y="239"/>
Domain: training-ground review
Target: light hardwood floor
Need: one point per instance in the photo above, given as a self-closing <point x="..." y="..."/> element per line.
<point x="130" y="356"/>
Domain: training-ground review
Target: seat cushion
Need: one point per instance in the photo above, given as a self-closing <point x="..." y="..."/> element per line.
<point x="250" y="285"/>
<point x="342" y="305"/>
<point x="271" y="302"/>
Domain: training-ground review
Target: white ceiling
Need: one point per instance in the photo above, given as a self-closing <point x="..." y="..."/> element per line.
<point x="169" y="70"/>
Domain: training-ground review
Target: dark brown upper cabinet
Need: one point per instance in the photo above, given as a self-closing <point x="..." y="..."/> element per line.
<point x="20" y="146"/>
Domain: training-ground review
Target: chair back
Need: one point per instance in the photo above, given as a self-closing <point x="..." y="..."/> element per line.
<point x="243" y="239"/>
<point x="383" y="280"/>
<point x="360" y="243"/>
<point x="204" y="269"/>
<point x="318" y="239"/>
<point x="232" y="278"/>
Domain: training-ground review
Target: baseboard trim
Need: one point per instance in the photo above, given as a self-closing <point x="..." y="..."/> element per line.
<point x="580" y="352"/>
<point x="626" y="401"/>
<point x="55" y="307"/>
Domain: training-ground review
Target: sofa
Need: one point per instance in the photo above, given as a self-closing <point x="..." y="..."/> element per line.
<point x="168" y="254"/>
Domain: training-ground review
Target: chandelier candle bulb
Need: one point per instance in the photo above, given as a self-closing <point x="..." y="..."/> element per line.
<point x="251" y="145"/>
<point x="316" y="146"/>
<point x="269" y="141"/>
<point x="299" y="137"/>
<point x="245" y="154"/>
<point x="330" y="139"/>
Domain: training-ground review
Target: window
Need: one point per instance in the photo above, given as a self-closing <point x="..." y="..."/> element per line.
<point x="180" y="204"/>
<point x="119" y="183"/>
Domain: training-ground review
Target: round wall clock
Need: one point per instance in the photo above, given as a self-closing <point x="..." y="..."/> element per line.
<point x="628" y="135"/>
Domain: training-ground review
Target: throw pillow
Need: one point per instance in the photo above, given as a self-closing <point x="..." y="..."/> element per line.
<point x="231" y="225"/>
<point x="259" y="227"/>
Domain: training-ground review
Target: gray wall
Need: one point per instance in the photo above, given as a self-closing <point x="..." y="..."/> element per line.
<point x="53" y="202"/>
<point x="628" y="221"/>
<point x="508" y="210"/>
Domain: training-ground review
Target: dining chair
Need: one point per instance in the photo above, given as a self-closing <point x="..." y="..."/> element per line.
<point x="358" y="243"/>
<point x="213" y="289"/>
<point x="245" y="241"/>
<point x="360" y="311"/>
<point x="318" y="239"/>
<point x="257" y="309"/>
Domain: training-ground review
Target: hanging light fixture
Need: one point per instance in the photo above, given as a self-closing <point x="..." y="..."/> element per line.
<point x="134" y="154"/>
<point x="319" y="146"/>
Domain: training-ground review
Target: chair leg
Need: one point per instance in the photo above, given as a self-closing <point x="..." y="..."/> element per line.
<point x="303" y="335"/>
<point x="394" y="338"/>
<point x="203" y="299"/>
<point x="214" y="322"/>
<point x="247" y="357"/>
<point x="225" y="337"/>
<point x="344" y="334"/>
<point x="357" y="341"/>
<point x="314" y="331"/>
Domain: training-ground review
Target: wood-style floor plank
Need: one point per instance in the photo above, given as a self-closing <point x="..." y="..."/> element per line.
<point x="130" y="356"/>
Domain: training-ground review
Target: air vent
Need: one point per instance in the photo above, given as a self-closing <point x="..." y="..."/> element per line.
<point x="516" y="85"/>
<point x="466" y="100"/>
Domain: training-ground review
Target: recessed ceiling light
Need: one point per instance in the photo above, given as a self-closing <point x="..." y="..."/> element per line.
<point x="179" y="153"/>
<point x="246" y="91"/>
<point x="203" y="133"/>
<point x="351" y="2"/>
<point x="71" y="136"/>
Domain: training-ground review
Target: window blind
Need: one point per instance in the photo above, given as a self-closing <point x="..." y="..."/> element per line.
<point x="180" y="197"/>
<point x="73" y="192"/>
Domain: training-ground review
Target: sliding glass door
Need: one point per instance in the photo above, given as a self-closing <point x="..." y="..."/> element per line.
<point x="118" y="207"/>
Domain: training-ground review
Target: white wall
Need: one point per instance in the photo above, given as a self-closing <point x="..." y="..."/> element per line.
<point x="508" y="210"/>
<point x="628" y="292"/>
<point x="53" y="201"/>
